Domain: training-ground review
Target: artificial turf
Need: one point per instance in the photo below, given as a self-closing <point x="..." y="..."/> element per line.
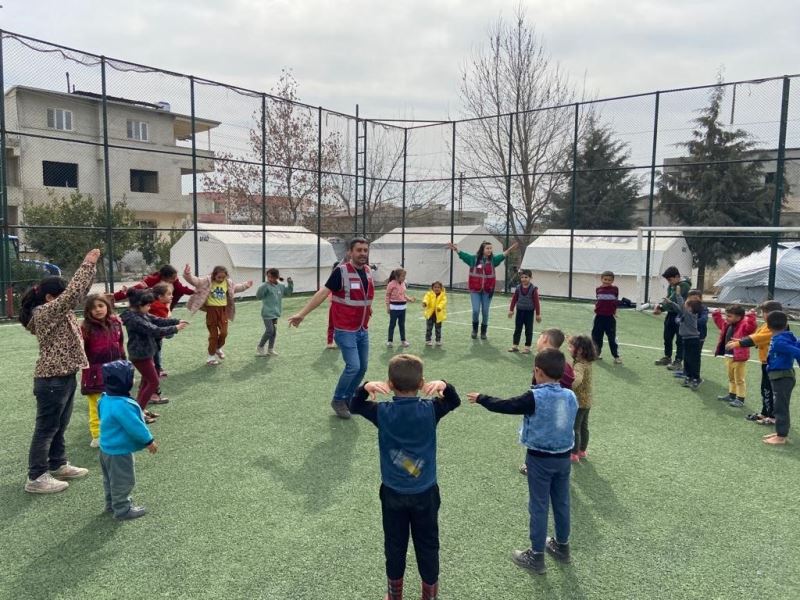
<point x="258" y="491"/>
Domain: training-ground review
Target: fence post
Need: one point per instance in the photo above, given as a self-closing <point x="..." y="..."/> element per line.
<point x="6" y="289"/>
<point x="651" y="201"/>
<point x="508" y="191"/>
<point x="574" y="199"/>
<point x="107" y="175"/>
<point x="403" y="213"/>
<point x="364" y="180"/>
<point x="452" y="201"/>
<point x="263" y="185"/>
<point x="355" y="180"/>
<point x="779" y="175"/>
<point x="194" y="179"/>
<point x="319" y="192"/>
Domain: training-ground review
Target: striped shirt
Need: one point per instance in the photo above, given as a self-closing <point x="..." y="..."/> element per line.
<point x="607" y="298"/>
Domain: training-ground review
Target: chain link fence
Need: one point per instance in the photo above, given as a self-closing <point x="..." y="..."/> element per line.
<point x="154" y="167"/>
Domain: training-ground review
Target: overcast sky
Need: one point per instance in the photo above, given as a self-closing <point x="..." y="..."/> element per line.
<point x="404" y="57"/>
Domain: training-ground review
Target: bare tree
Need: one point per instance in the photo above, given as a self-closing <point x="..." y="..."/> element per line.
<point x="515" y="74"/>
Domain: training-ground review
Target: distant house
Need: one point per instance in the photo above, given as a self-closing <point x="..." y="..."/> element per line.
<point x="245" y="209"/>
<point x="54" y="144"/>
<point x="389" y="216"/>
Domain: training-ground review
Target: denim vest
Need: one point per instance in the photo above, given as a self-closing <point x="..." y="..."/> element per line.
<point x="407" y="444"/>
<point x="550" y="427"/>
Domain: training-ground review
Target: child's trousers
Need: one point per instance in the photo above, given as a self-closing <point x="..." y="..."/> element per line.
<point x="524" y="319"/>
<point x="671" y="333"/>
<point x="605" y="325"/>
<point x="581" y="430"/>
<point x="548" y="480"/>
<point x="691" y="357"/>
<point x="119" y="477"/>
<point x="217" y="324"/>
<point x="430" y="325"/>
<point x="418" y="513"/>
<point x="94" y="418"/>
<point x="736" y="371"/>
<point x="767" y="397"/>
<point x="782" y="388"/>
<point x="149" y="383"/>
<point x="270" y="331"/>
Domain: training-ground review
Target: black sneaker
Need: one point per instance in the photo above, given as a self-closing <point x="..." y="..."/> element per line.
<point x="134" y="512"/>
<point x="664" y="360"/>
<point x="736" y="402"/>
<point x="686" y="382"/>
<point x="528" y="559"/>
<point x="559" y="551"/>
<point x="726" y="397"/>
<point x="695" y="384"/>
<point x="676" y="365"/>
<point x="340" y="408"/>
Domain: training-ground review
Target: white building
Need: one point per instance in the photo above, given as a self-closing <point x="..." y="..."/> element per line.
<point x="54" y="145"/>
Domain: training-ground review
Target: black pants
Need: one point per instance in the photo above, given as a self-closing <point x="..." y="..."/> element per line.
<point x="605" y="325"/>
<point x="581" y="430"/>
<point x="767" y="397"/>
<point x="671" y="332"/>
<point x="419" y="513"/>
<point x="54" y="399"/>
<point x="398" y="317"/>
<point x="782" y="390"/>
<point x="691" y="358"/>
<point x="524" y="319"/>
<point x="430" y="324"/>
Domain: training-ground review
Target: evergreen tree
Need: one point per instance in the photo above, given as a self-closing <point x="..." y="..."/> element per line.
<point x="716" y="186"/>
<point x="605" y="189"/>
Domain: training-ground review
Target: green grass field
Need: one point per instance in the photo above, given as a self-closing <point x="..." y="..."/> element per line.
<point x="258" y="491"/>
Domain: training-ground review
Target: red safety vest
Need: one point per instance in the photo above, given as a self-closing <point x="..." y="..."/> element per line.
<point x="482" y="277"/>
<point x="351" y="308"/>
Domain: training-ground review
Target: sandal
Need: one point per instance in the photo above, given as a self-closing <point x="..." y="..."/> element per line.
<point x="151" y="414"/>
<point x="755" y="417"/>
<point x="513" y="349"/>
<point x="766" y="421"/>
<point x="149" y="420"/>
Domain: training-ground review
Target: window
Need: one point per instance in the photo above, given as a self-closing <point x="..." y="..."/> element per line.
<point x="58" y="174"/>
<point x="58" y="118"/>
<point x="12" y="171"/>
<point x="138" y="130"/>
<point x="144" y="181"/>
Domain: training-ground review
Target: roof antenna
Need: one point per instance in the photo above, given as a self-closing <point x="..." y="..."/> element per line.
<point x="68" y="88"/>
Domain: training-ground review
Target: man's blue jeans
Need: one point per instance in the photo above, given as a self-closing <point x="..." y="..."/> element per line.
<point x="480" y="306"/>
<point x="548" y="481"/>
<point x="355" y="352"/>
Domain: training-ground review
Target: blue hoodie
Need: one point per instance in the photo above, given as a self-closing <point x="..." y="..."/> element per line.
<point x="122" y="427"/>
<point x="784" y="349"/>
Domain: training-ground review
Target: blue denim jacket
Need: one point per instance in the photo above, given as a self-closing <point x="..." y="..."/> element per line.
<point x="550" y="427"/>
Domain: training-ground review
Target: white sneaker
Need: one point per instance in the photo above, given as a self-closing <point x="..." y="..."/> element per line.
<point x="429" y="343"/>
<point x="95" y="443"/>
<point x="406" y="344"/>
<point x="45" y="484"/>
<point x="68" y="471"/>
<point x="439" y="343"/>
<point x="212" y="360"/>
<point x="260" y="351"/>
<point x="272" y="352"/>
<point x="221" y="354"/>
<point x="644" y="306"/>
<point x="389" y="345"/>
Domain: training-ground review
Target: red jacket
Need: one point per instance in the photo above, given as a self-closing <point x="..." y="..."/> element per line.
<point x="102" y="345"/>
<point x="351" y="307"/>
<point x="742" y="328"/>
<point x="178" y="289"/>
<point x="159" y="309"/>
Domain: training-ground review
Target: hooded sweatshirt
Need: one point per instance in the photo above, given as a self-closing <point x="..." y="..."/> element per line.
<point x="784" y="349"/>
<point x="122" y="426"/>
<point x="143" y="332"/>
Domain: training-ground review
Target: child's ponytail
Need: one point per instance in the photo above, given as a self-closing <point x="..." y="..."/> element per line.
<point x="393" y="274"/>
<point x="37" y="295"/>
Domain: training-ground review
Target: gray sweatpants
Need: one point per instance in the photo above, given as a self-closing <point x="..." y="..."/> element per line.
<point x="270" y="331"/>
<point x="119" y="477"/>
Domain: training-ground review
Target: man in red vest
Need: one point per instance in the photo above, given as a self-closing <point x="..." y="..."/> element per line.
<point x="352" y="290"/>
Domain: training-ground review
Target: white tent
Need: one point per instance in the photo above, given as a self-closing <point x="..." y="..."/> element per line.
<point x="291" y="249"/>
<point x="595" y="251"/>
<point x="747" y="280"/>
<point x="427" y="258"/>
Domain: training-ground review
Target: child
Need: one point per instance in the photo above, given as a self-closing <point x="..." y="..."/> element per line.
<point x="103" y="342"/>
<point x="144" y="330"/>
<point x="407" y="445"/>
<point x="784" y="349"/>
<point x="166" y="274"/>
<point x="271" y="295"/>
<point x="761" y="340"/>
<point x="123" y="432"/>
<point x="214" y="294"/>
<point x="162" y="292"/>
<point x="396" y="299"/>
<point x="584" y="353"/>
<point x="702" y="327"/>
<point x="605" y="316"/>
<point x="434" y="309"/>
<point x="526" y="301"/>
<point x="46" y="310"/>
<point x="676" y="285"/>
<point x="736" y="325"/>
<point x="689" y="332"/>
<point x="547" y="432"/>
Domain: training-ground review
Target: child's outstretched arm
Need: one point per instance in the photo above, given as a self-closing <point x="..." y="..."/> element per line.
<point x="240" y="287"/>
<point x="188" y="276"/>
<point x="518" y="405"/>
<point x="447" y="399"/>
<point x="361" y="403"/>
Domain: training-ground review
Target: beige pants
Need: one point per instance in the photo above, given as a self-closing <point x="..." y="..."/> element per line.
<point x="736" y="383"/>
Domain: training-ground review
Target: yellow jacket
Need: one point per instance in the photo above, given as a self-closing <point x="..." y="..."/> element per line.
<point x="431" y="302"/>
<point x="761" y="339"/>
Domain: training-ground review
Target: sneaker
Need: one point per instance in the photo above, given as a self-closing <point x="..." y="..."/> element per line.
<point x="260" y="351"/>
<point x="220" y="354"/>
<point x="617" y="360"/>
<point x="45" y="484"/>
<point x="389" y="344"/>
<point x="134" y="512"/>
<point x="766" y="421"/>
<point x="676" y="365"/>
<point x="340" y="408"/>
<point x="686" y="382"/>
<point x="158" y="399"/>
<point x="526" y="350"/>
<point x="68" y="471"/>
<point x="523" y="468"/>
<point x="528" y="559"/>
<point x="755" y="417"/>
<point x="558" y="551"/>
<point x="726" y="398"/>
<point x="574" y="457"/>
<point x="95" y="443"/>
<point x="429" y="343"/>
<point x="271" y="352"/>
<point x="405" y="344"/>
<point x="695" y="384"/>
<point x="664" y="360"/>
<point x="212" y="361"/>
<point x="736" y="402"/>
<point x="678" y="374"/>
<point x="483" y="336"/>
<point x="439" y="343"/>
<point x="513" y="349"/>
<point x="643" y="306"/>
<point x="474" y="335"/>
<point x="582" y="454"/>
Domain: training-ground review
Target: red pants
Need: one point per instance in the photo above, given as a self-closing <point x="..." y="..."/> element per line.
<point x="149" y="383"/>
<point x="330" y="324"/>
<point x="217" y="324"/>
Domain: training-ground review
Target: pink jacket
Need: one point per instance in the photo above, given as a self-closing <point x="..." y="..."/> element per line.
<point x="741" y="329"/>
<point x="396" y="292"/>
<point x="202" y="285"/>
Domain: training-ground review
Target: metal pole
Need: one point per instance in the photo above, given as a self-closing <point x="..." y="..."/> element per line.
<point x="355" y="202"/>
<point x="364" y="179"/>
<point x="263" y="186"/>
<point x="651" y="201"/>
<point x="452" y="201"/>
<point x="508" y="191"/>
<point x="403" y="213"/>
<point x="194" y="180"/>
<point x="574" y="199"/>
<point x="319" y="193"/>
<point x="107" y="175"/>
<point x="779" y="173"/>
<point x="6" y="291"/>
